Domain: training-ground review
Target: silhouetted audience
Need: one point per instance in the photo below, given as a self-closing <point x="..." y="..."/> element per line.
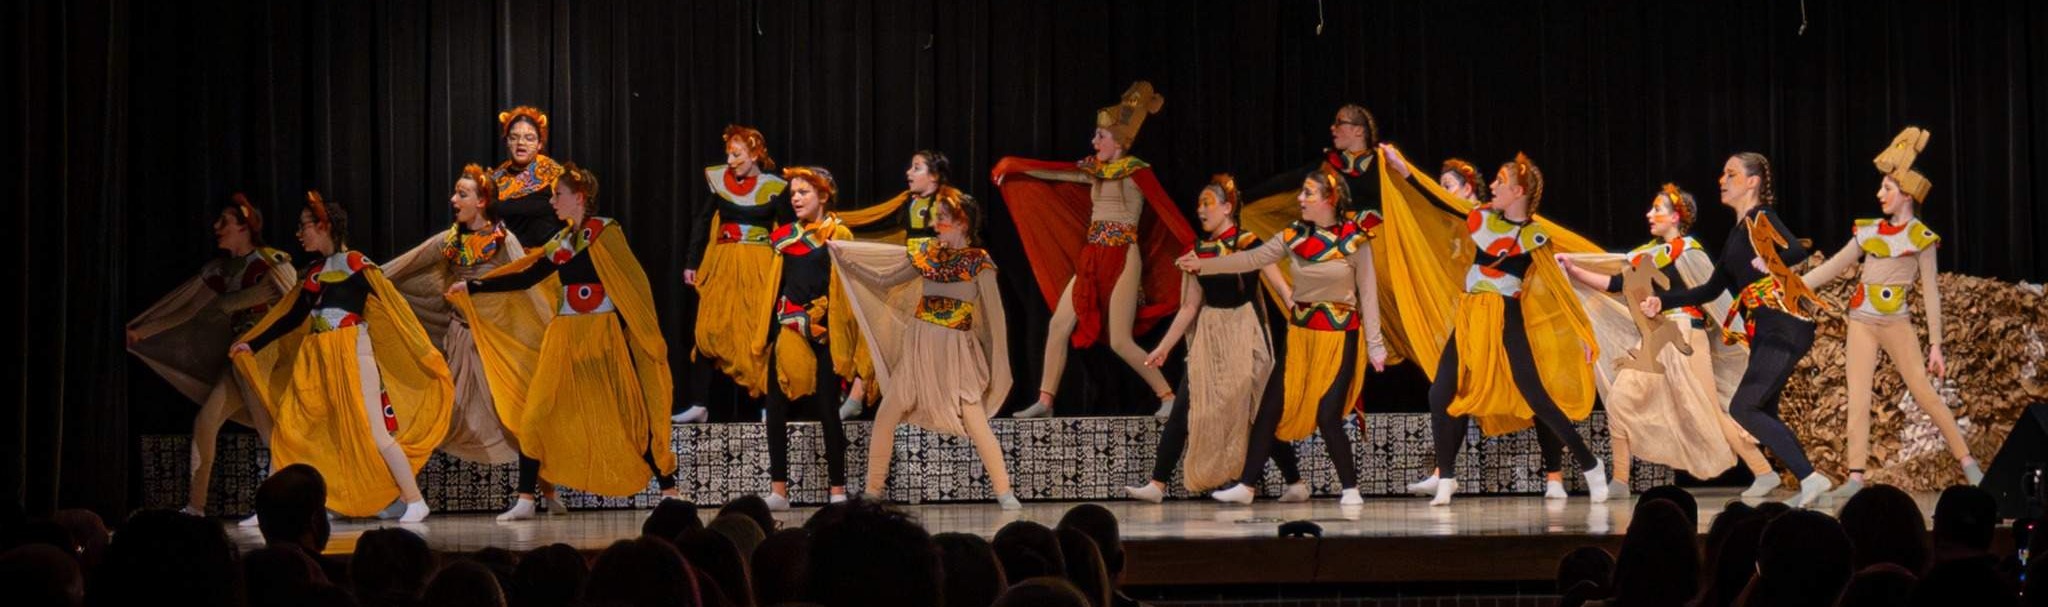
<point x="41" y="575"/>
<point x="1084" y="566"/>
<point x="1659" y="561"/>
<point x="974" y="578"/>
<point x="1584" y="574"/>
<point x="642" y="572"/>
<point x="745" y="534"/>
<point x="1964" y="519"/>
<point x="1886" y="526"/>
<point x="1730" y="554"/>
<point x="753" y="507"/>
<point x="1043" y="592"/>
<point x="1101" y="525"/>
<point x="781" y="562"/>
<point x="1880" y="585"/>
<point x="1878" y="553"/>
<point x="864" y="553"/>
<point x="1677" y="496"/>
<point x="549" y="576"/>
<point x="1028" y="550"/>
<point x="391" y="567"/>
<point x="291" y="508"/>
<point x="465" y="584"/>
<point x="1965" y="581"/>
<point x="281" y="575"/>
<point x="715" y="556"/>
<point x="1802" y="559"/>
<point x="671" y="518"/>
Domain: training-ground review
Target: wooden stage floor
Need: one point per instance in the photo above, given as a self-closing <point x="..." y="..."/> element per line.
<point x="1200" y="542"/>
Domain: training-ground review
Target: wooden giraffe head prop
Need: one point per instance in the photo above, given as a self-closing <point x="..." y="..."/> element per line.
<point x="1764" y="237"/>
<point x="1640" y="280"/>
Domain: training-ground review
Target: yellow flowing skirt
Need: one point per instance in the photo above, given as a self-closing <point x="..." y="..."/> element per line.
<point x="1314" y="358"/>
<point x="586" y="418"/>
<point x="1486" y="387"/>
<point x="322" y="422"/>
<point x="736" y="291"/>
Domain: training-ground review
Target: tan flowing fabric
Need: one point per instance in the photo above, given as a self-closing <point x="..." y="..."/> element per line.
<point x="1673" y="418"/>
<point x="1230" y="361"/>
<point x="937" y="374"/>
<point x="184" y="337"/>
<point x="423" y="275"/>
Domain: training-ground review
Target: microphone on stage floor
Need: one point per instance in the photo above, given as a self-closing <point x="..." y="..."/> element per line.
<point x="1301" y="529"/>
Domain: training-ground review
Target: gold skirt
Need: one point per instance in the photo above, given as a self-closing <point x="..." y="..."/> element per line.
<point x="322" y="422"/>
<point x="1487" y="391"/>
<point x="735" y="291"/>
<point x="586" y="418"/>
<point x="1314" y="358"/>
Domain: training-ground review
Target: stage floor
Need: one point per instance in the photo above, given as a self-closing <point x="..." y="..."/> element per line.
<point x="1197" y="541"/>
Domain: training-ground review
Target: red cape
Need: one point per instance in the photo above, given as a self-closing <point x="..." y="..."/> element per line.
<point x="1052" y="220"/>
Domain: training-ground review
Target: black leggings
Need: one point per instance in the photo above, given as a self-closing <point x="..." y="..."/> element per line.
<point x="824" y="404"/>
<point x="699" y="392"/>
<point x="1329" y="422"/>
<point x="1174" y="441"/>
<point x="529" y="473"/>
<point x="1450" y="431"/>
<point x="1261" y="441"/>
<point x="1781" y="340"/>
<point x="1552" y="447"/>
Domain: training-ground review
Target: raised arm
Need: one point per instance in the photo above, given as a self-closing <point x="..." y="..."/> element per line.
<point x="1698" y="294"/>
<point x="1240" y="262"/>
<point x="1589" y="278"/>
<point x="1069" y="176"/>
<point x="266" y="292"/>
<point x="290" y="320"/>
<point x="523" y="279"/>
<point x="1834" y="266"/>
<point x="1286" y="181"/>
<point x="1399" y="163"/>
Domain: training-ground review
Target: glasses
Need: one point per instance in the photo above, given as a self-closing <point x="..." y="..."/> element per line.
<point x="522" y="139"/>
<point x="1345" y="123"/>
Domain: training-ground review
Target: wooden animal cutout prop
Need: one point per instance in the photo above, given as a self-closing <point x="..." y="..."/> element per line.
<point x="1764" y="237"/>
<point x="1640" y="280"/>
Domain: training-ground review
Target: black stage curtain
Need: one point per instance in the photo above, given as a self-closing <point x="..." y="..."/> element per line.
<point x="133" y="121"/>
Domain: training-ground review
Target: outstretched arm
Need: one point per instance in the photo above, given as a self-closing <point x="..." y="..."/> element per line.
<point x="1834" y="266"/>
<point x="1240" y="262"/>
